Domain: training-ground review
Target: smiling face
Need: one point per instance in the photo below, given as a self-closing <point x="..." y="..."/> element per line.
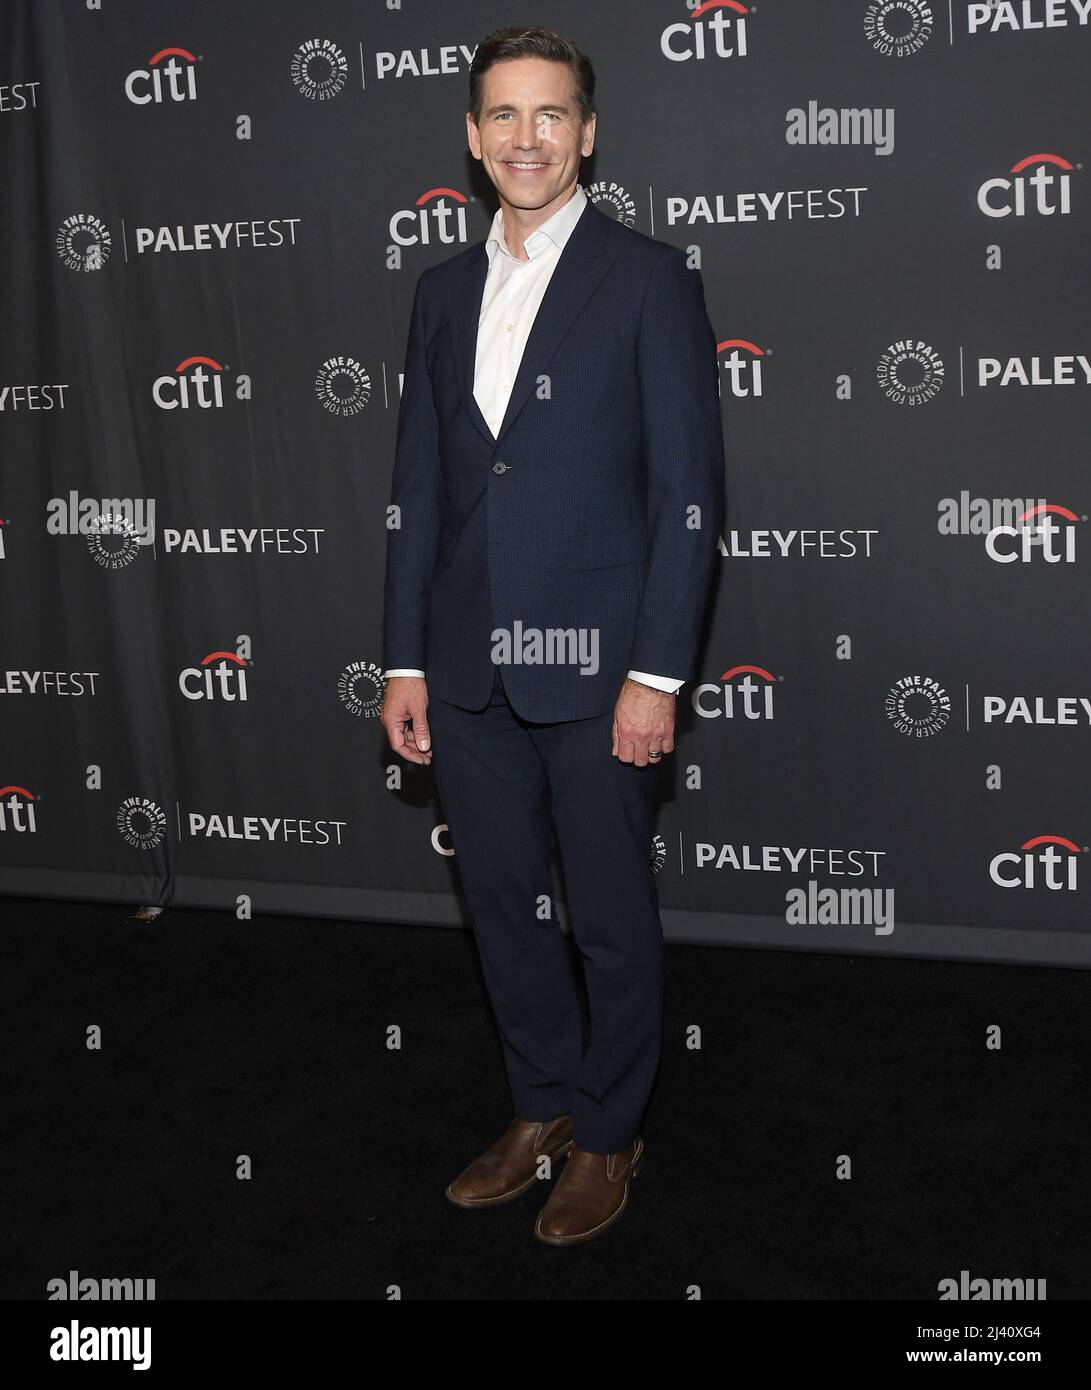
<point x="530" y="138"/>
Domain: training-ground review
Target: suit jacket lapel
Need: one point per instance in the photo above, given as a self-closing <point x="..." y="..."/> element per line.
<point x="580" y="267"/>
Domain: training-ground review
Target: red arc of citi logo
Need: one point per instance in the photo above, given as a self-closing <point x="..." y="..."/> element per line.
<point x="745" y="692"/>
<point x="220" y="676"/>
<point x="17" y="810"/>
<point x="1043" y="192"/>
<point x="1044" y="861"/>
<point x="165" y="78"/>
<point x="438" y="215"/>
<point x="196" y="382"/>
<point x="742" y="365"/>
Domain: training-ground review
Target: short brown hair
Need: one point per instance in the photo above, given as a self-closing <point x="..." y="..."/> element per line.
<point x="532" y="42"/>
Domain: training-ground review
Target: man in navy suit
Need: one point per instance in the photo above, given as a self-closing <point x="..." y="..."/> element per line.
<point x="556" y="505"/>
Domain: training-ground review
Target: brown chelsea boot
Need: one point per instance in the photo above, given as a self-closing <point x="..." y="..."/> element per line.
<point x="510" y="1165"/>
<point x="589" y="1196"/>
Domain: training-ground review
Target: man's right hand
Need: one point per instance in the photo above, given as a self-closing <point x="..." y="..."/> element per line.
<point x="407" y="699"/>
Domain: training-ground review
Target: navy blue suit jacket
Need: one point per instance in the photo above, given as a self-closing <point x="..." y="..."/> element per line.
<point x="599" y="505"/>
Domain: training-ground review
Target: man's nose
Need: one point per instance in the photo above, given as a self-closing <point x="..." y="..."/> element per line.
<point x="529" y="133"/>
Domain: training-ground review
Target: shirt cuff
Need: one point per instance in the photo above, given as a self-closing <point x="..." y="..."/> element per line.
<point x="668" y="683"/>
<point x="402" y="671"/>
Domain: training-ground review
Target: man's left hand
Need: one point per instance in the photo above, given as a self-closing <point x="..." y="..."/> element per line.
<point x="643" y="723"/>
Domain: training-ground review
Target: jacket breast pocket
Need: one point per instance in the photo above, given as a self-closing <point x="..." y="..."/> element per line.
<point x="601" y="552"/>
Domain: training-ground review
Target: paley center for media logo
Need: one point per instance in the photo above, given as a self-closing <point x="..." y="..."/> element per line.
<point x="612" y="197"/>
<point x="910" y="372"/>
<point x="319" y="69"/>
<point x="917" y="706"/>
<point x="898" y="30"/>
<point x="83" y="242"/>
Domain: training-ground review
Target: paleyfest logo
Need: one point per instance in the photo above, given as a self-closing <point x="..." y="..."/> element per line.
<point x="910" y="372"/>
<point x="319" y="69"/>
<point x="83" y="242"/>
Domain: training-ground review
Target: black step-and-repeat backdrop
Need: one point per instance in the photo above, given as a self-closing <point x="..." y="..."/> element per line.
<point x="214" y="217"/>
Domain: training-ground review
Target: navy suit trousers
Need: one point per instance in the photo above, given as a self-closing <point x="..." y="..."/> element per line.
<point x="501" y="780"/>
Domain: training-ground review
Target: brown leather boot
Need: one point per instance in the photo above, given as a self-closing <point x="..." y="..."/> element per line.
<point x="510" y="1166"/>
<point x="590" y="1195"/>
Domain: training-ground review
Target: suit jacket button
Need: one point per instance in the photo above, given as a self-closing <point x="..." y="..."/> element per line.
<point x="499" y="468"/>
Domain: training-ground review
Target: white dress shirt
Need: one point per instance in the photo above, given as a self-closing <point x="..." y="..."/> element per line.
<point x="509" y="305"/>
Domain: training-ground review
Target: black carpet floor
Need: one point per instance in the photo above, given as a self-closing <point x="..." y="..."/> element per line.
<point x="272" y="1039"/>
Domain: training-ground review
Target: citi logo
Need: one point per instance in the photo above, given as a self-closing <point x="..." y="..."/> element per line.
<point x="17" y="810"/>
<point x="1050" y="192"/>
<point x="1037" y="536"/>
<point x="197" y="381"/>
<point x="742" y="365"/>
<point x="220" y="676"/>
<point x="716" y="29"/>
<point x="165" y="78"/>
<point x="438" y="215"/>
<point x="1046" y="861"/>
<point x="745" y="692"/>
